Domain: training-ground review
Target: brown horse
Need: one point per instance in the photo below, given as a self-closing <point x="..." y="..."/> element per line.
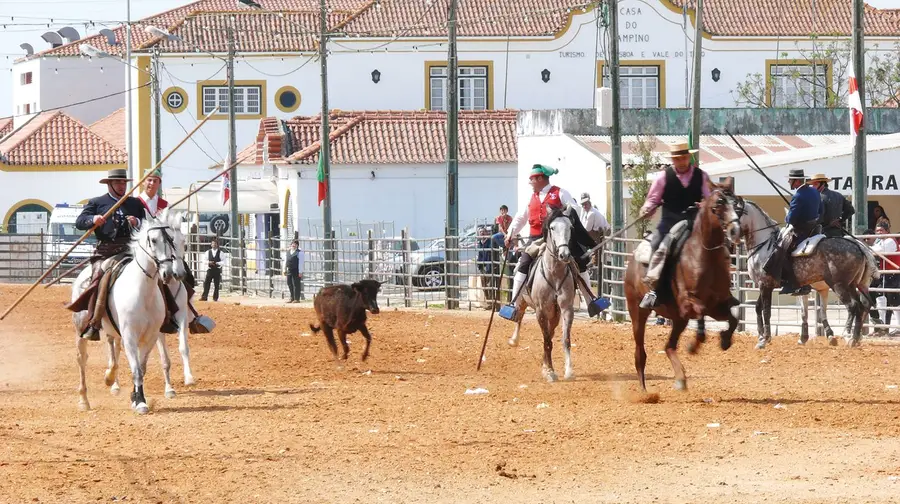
<point x="698" y="282"/>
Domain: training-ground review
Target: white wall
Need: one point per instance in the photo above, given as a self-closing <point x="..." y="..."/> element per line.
<point x="70" y="80"/>
<point x="50" y="187"/>
<point x="410" y="196"/>
<point x="25" y="94"/>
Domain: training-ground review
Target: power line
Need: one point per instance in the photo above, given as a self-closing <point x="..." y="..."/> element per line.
<point x="86" y="101"/>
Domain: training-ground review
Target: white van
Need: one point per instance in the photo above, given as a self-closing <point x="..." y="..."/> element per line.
<point x="63" y="234"/>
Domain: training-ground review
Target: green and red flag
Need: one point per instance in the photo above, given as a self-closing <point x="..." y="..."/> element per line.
<point x="320" y="175"/>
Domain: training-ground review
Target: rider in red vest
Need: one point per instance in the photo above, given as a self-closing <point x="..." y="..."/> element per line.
<point x="545" y="198"/>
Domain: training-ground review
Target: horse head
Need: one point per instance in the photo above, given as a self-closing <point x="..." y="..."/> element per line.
<point x="721" y="204"/>
<point x="156" y="239"/>
<point x="756" y="225"/>
<point x="558" y="231"/>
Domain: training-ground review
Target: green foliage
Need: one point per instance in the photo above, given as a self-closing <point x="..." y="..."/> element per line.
<point x="639" y="180"/>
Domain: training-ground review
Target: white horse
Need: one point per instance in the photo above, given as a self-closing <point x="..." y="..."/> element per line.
<point x="137" y="309"/>
<point x="552" y="294"/>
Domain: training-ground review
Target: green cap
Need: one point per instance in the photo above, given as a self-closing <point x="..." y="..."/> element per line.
<point x="540" y="169"/>
<point x="156" y="173"/>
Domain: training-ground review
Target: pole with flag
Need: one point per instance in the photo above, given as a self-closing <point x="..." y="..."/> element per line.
<point x="857" y="90"/>
<point x="225" y="190"/>
<point x="320" y="176"/>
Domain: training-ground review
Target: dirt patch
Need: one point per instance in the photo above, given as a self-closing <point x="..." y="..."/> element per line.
<point x="274" y="419"/>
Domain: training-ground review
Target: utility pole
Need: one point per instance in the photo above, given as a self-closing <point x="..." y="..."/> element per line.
<point x="618" y="210"/>
<point x="156" y="113"/>
<point x="452" y="246"/>
<point x="132" y="173"/>
<point x="232" y="156"/>
<point x="860" y="197"/>
<point x="325" y="140"/>
<point x="695" y="88"/>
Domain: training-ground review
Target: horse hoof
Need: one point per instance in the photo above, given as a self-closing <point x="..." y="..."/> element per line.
<point x="84" y="406"/>
<point x="693" y="348"/>
<point x="170" y="394"/>
<point x="853" y="343"/>
<point x="189" y="380"/>
<point x="801" y="341"/>
<point x="725" y="343"/>
<point x="570" y="375"/>
<point x="680" y="385"/>
<point x="550" y="376"/>
<point x="114" y="389"/>
<point x="140" y="409"/>
<point x="761" y="345"/>
<point x="109" y="378"/>
<point x="832" y="341"/>
<point x="513" y="342"/>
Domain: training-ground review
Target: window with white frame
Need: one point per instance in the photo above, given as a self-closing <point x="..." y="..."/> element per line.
<point x="247" y="99"/>
<point x="798" y="85"/>
<point x="473" y="88"/>
<point x="639" y="86"/>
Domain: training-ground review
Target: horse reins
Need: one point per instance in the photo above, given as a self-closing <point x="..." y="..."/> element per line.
<point x="158" y="262"/>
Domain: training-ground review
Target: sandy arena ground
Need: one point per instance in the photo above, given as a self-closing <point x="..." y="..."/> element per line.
<point x="274" y="419"/>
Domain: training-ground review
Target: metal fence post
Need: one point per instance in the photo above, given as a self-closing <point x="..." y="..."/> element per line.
<point x="407" y="268"/>
<point x="270" y="265"/>
<point x="242" y="266"/>
<point x="371" y="254"/>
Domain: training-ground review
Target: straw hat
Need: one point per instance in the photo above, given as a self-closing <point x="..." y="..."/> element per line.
<point x="819" y="177"/>
<point x="680" y="149"/>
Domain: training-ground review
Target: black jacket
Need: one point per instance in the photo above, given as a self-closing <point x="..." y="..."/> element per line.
<point x="116" y="227"/>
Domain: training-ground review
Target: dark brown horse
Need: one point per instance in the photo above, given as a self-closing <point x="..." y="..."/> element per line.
<point x="698" y="282"/>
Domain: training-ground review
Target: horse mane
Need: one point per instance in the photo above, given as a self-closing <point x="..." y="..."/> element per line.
<point x="769" y="221"/>
<point x="554" y="214"/>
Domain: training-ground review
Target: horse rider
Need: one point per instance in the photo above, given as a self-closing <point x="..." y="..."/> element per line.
<point x="544" y="198"/>
<point x="113" y="237"/>
<point x="678" y="189"/>
<point x="804" y="216"/>
<point x="153" y="205"/>
<point x="838" y="210"/>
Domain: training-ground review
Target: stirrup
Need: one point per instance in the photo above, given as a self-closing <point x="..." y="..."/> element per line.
<point x="508" y="312"/>
<point x="91" y="333"/>
<point x="597" y="306"/>
<point x="649" y="300"/>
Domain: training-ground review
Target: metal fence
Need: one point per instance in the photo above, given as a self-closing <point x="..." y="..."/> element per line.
<point x="25" y="257"/>
<point x="786" y="310"/>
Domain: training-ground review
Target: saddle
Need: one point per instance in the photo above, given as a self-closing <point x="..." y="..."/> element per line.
<point x="680" y="232"/>
<point x="108" y="264"/>
<point x="808" y="246"/>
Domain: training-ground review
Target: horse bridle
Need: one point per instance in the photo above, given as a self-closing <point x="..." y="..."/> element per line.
<point x="169" y="241"/>
<point x="555" y="250"/>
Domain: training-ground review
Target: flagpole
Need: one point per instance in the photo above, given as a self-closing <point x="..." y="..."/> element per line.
<point x="857" y="104"/>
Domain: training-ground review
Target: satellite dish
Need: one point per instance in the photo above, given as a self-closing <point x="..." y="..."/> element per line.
<point x="52" y="38"/>
<point x="28" y="49"/>
<point x="110" y="36"/>
<point x="69" y="33"/>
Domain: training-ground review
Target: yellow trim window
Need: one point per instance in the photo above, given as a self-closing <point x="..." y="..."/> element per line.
<point x="248" y="100"/>
<point x="803" y="85"/>
<point x="473" y="87"/>
<point x="640" y="85"/>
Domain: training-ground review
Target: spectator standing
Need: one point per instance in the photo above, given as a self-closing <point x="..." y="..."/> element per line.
<point x="888" y="247"/>
<point x="294" y="272"/>
<point x="597" y="227"/>
<point x="213" y="270"/>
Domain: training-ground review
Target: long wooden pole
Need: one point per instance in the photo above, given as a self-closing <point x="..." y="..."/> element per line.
<point x="106" y="215"/>
<point x="70" y="270"/>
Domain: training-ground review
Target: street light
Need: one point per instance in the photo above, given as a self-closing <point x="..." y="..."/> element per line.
<point x="159" y="32"/>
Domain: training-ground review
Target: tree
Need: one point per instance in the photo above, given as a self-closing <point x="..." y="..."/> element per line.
<point x="639" y="182"/>
<point x="883" y="78"/>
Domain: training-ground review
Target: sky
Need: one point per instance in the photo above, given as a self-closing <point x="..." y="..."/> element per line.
<point x="26" y="20"/>
<point x="104" y="13"/>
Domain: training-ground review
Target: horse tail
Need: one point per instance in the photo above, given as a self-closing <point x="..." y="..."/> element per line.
<point x="871" y="270"/>
<point x="315" y="328"/>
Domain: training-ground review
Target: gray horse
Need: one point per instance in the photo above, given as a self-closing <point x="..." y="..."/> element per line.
<point x="552" y="293"/>
<point x="846" y="265"/>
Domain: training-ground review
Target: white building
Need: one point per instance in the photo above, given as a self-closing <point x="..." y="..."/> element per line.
<point x="517" y="55"/>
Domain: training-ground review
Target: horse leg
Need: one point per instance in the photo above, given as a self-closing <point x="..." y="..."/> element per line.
<point x="365" y="333"/>
<point x="822" y="315"/>
<point x="567" y="316"/>
<point x="81" y="347"/>
<point x="547" y="365"/>
<point x="342" y="336"/>
<point x="183" y="347"/>
<point x="804" y="326"/>
<point x="760" y="326"/>
<point x="329" y="338"/>
<point x="848" y="298"/>
<point x="111" y="377"/>
<point x="725" y="336"/>
<point x="133" y="353"/>
<point x="678" y="325"/>
<point x="767" y="314"/>
<point x="520" y="314"/>
<point x="166" y="364"/>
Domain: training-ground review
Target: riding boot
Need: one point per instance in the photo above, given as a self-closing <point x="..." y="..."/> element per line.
<point x="170" y="325"/>
<point x="509" y="311"/>
<point x="91" y="330"/>
<point x="585" y="287"/>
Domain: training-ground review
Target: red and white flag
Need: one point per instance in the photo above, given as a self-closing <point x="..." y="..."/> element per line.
<point x="856" y="112"/>
<point x="226" y="187"/>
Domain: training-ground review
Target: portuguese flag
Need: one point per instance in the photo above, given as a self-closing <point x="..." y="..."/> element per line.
<point x="320" y="175"/>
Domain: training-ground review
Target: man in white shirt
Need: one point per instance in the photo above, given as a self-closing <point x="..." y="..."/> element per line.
<point x="888" y="247"/>
<point x="591" y="218"/>
<point x="544" y="198"/>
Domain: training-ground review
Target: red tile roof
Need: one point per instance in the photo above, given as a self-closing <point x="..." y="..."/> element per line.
<point x="6" y="126"/>
<point x="112" y="128"/>
<point x="265" y="32"/>
<point x="400" y="137"/>
<point x="55" y="139"/>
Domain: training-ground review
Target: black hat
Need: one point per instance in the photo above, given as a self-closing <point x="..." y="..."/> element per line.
<point x="797" y="175"/>
<point x="116" y="174"/>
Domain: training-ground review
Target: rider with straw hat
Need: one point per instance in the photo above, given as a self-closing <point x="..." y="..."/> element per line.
<point x="837" y="210"/>
<point x="113" y="236"/>
<point x="544" y="198"/>
<point x="677" y="190"/>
